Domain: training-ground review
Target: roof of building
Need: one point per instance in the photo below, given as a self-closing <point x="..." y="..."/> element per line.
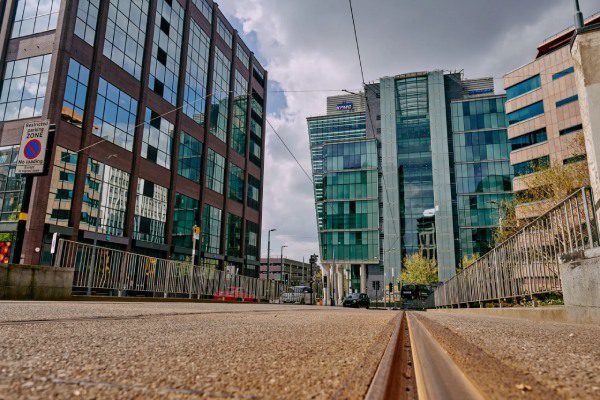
<point x="563" y="37"/>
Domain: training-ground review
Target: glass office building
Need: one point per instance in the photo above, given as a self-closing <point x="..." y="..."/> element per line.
<point x="483" y="171"/>
<point x="169" y="104"/>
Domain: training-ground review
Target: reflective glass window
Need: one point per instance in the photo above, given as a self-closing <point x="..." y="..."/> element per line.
<point x="531" y="166"/>
<point x="215" y="171"/>
<point x="196" y="76"/>
<point x="166" y="49"/>
<point x="240" y="102"/>
<point x="566" y="101"/>
<point x="114" y="117"/>
<point x="35" y="16"/>
<point x="87" y="19"/>
<point x="528" y="139"/>
<point x="24" y="88"/>
<point x="252" y="232"/>
<point x="236" y="183"/>
<point x="11" y="184"/>
<point x="523" y="87"/>
<point x="571" y="129"/>
<point x="220" y="97"/>
<point x="233" y="238"/>
<point x="150" y="212"/>
<point x="253" y="195"/>
<point x="562" y="73"/>
<point x="190" y="157"/>
<point x="126" y="33"/>
<point x="60" y="196"/>
<point x="211" y="230"/>
<point x="105" y="197"/>
<point x="526" y="113"/>
<point x="224" y="32"/>
<point x="204" y="8"/>
<point x="184" y="219"/>
<point x="574" y="159"/>
<point x="243" y="56"/>
<point x="76" y="87"/>
<point x="158" y="139"/>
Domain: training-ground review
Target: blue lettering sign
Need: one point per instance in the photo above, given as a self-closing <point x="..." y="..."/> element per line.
<point x="480" y="91"/>
<point x="347" y="105"/>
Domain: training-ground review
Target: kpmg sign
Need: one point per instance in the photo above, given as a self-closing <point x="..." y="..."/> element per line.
<point x="347" y="105"/>
<point x="480" y="91"/>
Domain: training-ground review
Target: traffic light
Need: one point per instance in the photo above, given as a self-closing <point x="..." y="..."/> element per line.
<point x="313" y="259"/>
<point x="391" y="286"/>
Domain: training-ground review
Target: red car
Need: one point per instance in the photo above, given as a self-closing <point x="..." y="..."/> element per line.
<point x="235" y="293"/>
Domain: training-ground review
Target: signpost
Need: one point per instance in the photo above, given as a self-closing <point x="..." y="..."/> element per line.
<point x="196" y="236"/>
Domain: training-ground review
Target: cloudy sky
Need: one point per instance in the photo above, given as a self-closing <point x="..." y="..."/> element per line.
<point x="309" y="45"/>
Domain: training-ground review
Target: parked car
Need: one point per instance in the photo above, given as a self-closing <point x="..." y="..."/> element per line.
<point x="235" y="293"/>
<point x="357" y="300"/>
<point x="298" y="294"/>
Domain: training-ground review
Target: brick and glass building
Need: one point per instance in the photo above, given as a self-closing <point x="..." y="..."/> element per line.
<point x="159" y="114"/>
<point x="544" y="121"/>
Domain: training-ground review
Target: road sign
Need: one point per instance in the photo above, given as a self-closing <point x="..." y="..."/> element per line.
<point x="196" y="232"/>
<point x="32" y="153"/>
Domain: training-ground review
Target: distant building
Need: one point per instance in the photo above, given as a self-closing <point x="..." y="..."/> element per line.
<point x="544" y="120"/>
<point x="294" y="272"/>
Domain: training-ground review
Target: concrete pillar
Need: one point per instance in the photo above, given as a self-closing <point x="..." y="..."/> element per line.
<point x="586" y="54"/>
<point x="333" y="282"/>
<point x="340" y="285"/>
<point x="363" y="278"/>
<point x="326" y="289"/>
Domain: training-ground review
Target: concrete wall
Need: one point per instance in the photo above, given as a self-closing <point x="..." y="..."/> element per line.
<point x="580" y="278"/>
<point x="24" y="282"/>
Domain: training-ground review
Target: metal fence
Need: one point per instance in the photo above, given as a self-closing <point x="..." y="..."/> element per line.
<point x="526" y="263"/>
<point x="115" y="272"/>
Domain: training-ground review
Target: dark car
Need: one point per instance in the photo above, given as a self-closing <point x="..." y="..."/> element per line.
<point x="356" y="300"/>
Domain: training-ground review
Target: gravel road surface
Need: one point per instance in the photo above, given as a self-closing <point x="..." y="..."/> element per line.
<point x="188" y="350"/>
<point x="518" y="358"/>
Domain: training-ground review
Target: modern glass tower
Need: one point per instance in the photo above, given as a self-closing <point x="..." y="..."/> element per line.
<point x="346" y="183"/>
<point x="483" y="171"/>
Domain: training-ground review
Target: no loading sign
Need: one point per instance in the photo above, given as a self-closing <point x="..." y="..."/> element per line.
<point x="32" y="152"/>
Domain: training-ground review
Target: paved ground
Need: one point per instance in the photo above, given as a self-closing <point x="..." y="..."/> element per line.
<point x="518" y="358"/>
<point x="185" y="350"/>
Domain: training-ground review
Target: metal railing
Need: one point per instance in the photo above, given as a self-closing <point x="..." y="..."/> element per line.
<point x="115" y="272"/>
<point x="526" y="263"/>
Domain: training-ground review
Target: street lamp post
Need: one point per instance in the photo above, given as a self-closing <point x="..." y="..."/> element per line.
<point x="269" y="253"/>
<point x="281" y="260"/>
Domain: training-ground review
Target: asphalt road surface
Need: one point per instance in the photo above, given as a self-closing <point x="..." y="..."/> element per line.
<point x="188" y="350"/>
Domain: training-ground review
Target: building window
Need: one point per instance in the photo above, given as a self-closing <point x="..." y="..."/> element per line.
<point x="150" y="212"/>
<point x="574" y="159"/>
<point x="531" y="166"/>
<point x="571" y="129"/>
<point x="158" y="139"/>
<point x="204" y="8"/>
<point x="75" y="93"/>
<point x="60" y="197"/>
<point x="190" y="157"/>
<point x="215" y="171"/>
<point x="523" y="87"/>
<point x="184" y="219"/>
<point x="11" y="184"/>
<point x="236" y="183"/>
<point x="125" y="34"/>
<point x="105" y="197"/>
<point x="243" y="56"/>
<point x="166" y="49"/>
<point x="253" y="196"/>
<point x="258" y="75"/>
<point x="211" y="230"/>
<point x="87" y="19"/>
<point x="24" y="88"/>
<point x="220" y="97"/>
<point x="114" y="118"/>
<point x="255" y="151"/>
<point x="526" y="113"/>
<point x="562" y="73"/>
<point x="196" y="75"/>
<point x="240" y="102"/>
<point x="478" y="114"/>
<point x="223" y="31"/>
<point x="566" y="101"/>
<point x="529" y="139"/>
<point x="234" y="235"/>
<point x="35" y="16"/>
<point x="252" y="231"/>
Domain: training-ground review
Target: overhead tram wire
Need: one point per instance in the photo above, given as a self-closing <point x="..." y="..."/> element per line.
<point x="289" y="151"/>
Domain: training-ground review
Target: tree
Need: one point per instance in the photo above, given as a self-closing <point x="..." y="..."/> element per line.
<point x="467" y="261"/>
<point x="419" y="270"/>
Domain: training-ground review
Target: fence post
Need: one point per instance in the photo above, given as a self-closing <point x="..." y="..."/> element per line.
<point x="497" y="278"/>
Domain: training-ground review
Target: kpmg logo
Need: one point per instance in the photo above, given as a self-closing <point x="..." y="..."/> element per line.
<point x="347" y="105"/>
<point x="480" y="91"/>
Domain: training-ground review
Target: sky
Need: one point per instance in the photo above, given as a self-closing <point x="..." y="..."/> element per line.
<point x="308" y="45"/>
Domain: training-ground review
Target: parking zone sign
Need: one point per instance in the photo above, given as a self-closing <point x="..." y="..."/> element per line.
<point x="32" y="153"/>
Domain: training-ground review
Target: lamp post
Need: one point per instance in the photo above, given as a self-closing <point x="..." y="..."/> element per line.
<point x="281" y="260"/>
<point x="269" y="253"/>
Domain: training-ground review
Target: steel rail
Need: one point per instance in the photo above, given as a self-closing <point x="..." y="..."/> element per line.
<point x="437" y="375"/>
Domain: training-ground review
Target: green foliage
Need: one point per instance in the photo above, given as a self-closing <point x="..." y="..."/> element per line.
<point x="467" y="262"/>
<point x="419" y="270"/>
